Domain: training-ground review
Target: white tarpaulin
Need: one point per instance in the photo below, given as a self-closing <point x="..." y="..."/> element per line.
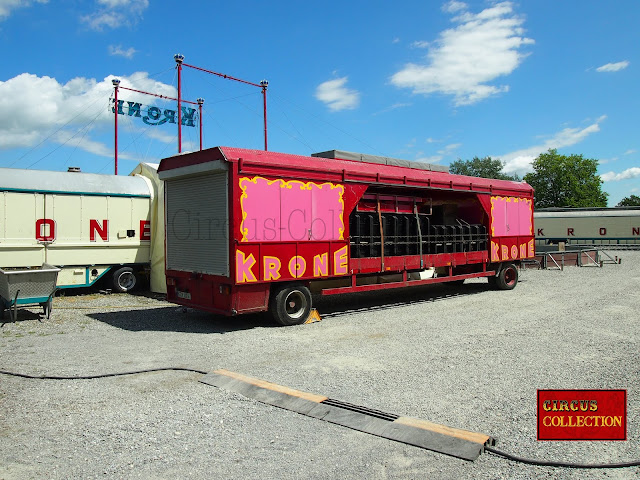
<point x="156" y="217"/>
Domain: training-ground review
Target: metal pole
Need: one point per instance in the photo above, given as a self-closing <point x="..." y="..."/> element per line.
<point x="200" y="102"/>
<point x="115" y="83"/>
<point x="156" y="95"/>
<point x="179" y="58"/>
<point x="264" y="84"/>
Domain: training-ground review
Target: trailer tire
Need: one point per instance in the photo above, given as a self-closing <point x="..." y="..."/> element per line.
<point x="507" y="277"/>
<point x="124" y="280"/>
<point x="290" y="305"/>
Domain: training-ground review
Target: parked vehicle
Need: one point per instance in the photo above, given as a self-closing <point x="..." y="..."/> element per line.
<point x="250" y="230"/>
<point x="90" y="226"/>
<point x="617" y="227"/>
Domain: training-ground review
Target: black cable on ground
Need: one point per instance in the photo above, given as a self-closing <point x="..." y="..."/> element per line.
<point x="515" y="458"/>
<point x="545" y="463"/>
<point x="104" y="375"/>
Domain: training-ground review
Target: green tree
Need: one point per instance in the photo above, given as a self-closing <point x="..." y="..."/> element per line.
<point x="485" y="167"/>
<point x="566" y="181"/>
<point x="632" y="201"/>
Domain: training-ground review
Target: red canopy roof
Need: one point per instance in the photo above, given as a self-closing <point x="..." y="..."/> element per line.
<point x="260" y="162"/>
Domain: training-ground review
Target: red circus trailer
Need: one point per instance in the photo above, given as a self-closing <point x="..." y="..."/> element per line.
<point x="251" y="230"/>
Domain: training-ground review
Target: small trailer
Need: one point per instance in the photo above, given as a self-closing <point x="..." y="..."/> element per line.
<point x="26" y="288"/>
<point x="250" y="230"/>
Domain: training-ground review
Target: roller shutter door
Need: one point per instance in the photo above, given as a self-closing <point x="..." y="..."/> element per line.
<point x="198" y="224"/>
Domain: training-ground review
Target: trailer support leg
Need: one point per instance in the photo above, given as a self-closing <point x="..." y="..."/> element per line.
<point x="14" y="313"/>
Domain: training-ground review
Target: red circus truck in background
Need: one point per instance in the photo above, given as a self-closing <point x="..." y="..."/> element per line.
<point x="249" y="230"/>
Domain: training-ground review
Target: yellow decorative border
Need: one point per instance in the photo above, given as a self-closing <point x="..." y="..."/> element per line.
<point x="289" y="185"/>
<point x="509" y="199"/>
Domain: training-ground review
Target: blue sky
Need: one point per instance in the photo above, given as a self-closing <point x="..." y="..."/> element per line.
<point x="420" y="80"/>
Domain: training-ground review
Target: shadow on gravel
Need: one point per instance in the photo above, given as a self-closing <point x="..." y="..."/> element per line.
<point x="347" y="304"/>
<point x="146" y="293"/>
<point x="24" y="314"/>
<point x="174" y="319"/>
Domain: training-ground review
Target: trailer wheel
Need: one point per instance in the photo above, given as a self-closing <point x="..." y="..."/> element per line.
<point x="290" y="305"/>
<point x="124" y="280"/>
<point x="507" y="278"/>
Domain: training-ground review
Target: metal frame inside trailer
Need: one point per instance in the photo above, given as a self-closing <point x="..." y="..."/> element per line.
<point x="250" y="230"/>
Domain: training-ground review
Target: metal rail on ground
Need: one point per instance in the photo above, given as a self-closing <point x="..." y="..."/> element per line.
<point x="595" y="257"/>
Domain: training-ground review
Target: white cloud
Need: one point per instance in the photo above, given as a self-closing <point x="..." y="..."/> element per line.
<point x="449" y="148"/>
<point x="7" y="6"/>
<point x="465" y="59"/>
<point x="116" y="3"/>
<point x="337" y="96"/>
<point x="633" y="172"/>
<point x="79" y="140"/>
<point x="520" y="160"/>
<point x="432" y="159"/>
<point x="395" y="106"/>
<point x="33" y="108"/>
<point x="118" y="51"/>
<point x="454" y="6"/>
<point x="420" y="44"/>
<point x="443" y="152"/>
<point x="164" y="137"/>
<point x="189" y="146"/>
<point x="631" y="151"/>
<point x="613" y="67"/>
<point x="115" y="13"/>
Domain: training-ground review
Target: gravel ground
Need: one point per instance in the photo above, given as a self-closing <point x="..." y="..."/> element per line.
<point x="467" y="356"/>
